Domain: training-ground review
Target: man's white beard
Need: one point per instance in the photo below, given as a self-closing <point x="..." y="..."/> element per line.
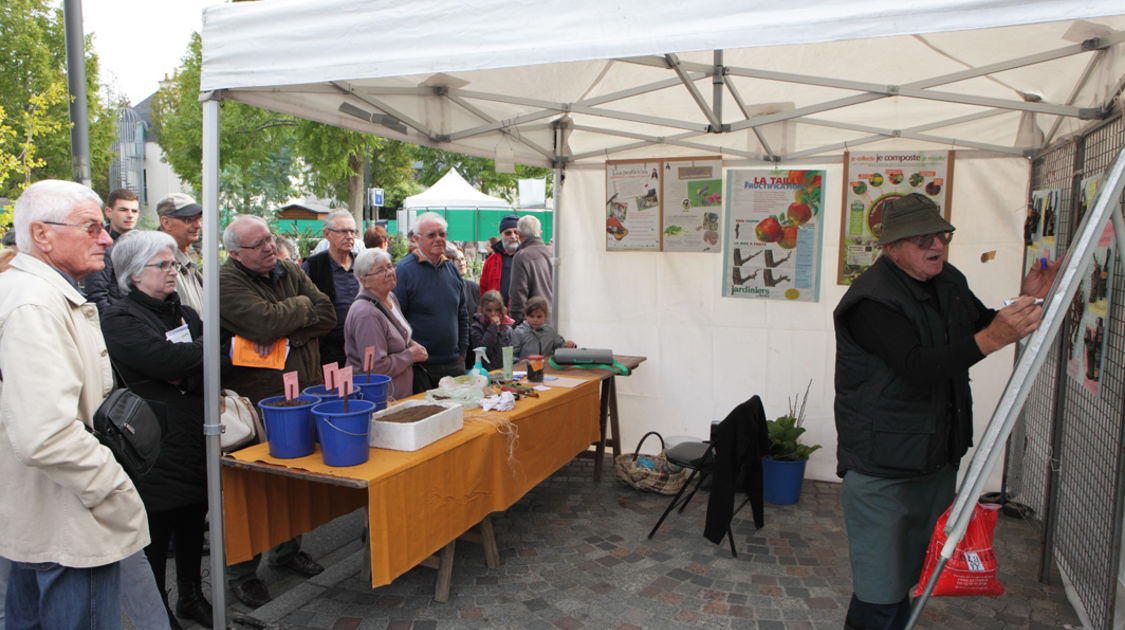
<point x="511" y="247"/>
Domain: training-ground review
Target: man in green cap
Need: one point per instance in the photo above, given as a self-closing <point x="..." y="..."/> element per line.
<point x="907" y="332"/>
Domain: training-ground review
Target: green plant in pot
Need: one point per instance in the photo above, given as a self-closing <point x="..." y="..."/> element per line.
<point x="783" y="468"/>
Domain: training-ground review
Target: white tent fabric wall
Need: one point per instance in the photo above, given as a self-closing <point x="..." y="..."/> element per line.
<point x="707" y="353"/>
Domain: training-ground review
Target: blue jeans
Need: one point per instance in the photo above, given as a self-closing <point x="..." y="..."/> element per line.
<point x="49" y="596"/>
<point x="140" y="598"/>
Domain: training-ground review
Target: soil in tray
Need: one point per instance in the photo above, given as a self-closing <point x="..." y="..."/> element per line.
<point x="412" y="414"/>
<point x="287" y="403"/>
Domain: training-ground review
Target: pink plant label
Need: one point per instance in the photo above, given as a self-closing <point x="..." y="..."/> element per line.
<point x="330" y="370"/>
<point x="368" y="358"/>
<point x="344" y="381"/>
<point x="291" y="387"/>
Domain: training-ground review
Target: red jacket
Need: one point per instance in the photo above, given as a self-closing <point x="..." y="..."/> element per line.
<point x="496" y="266"/>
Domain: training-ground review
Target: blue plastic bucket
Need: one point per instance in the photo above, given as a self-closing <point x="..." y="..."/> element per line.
<point x="320" y="392"/>
<point x="290" y="429"/>
<point x="343" y="435"/>
<point x="781" y="480"/>
<point x="374" y="388"/>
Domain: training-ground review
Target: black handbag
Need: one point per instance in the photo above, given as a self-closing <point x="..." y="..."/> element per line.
<point x="127" y="426"/>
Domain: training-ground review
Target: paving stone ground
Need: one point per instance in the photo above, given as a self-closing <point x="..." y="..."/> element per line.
<point x="575" y="554"/>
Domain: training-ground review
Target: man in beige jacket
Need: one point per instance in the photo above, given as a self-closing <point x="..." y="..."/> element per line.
<point x="68" y="512"/>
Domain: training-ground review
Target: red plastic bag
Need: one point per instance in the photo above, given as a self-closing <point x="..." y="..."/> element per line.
<point x="972" y="569"/>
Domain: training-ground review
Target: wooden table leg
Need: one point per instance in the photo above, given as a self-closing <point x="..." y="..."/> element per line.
<point x="615" y="428"/>
<point x="488" y="541"/>
<point x="603" y="414"/>
<point x="444" y="573"/>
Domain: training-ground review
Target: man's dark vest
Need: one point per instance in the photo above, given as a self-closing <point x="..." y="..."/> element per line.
<point x="320" y="272"/>
<point x="885" y="425"/>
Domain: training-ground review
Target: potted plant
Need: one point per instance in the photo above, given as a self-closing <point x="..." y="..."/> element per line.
<point x="783" y="469"/>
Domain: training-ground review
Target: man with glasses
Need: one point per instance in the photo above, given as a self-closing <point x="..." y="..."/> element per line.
<point x="121" y="210"/>
<point x="330" y="271"/>
<point x="182" y="218"/>
<point x="907" y="332"/>
<point x="430" y="293"/>
<point x="68" y="512"/>
<point x="497" y="272"/>
<point x="263" y="300"/>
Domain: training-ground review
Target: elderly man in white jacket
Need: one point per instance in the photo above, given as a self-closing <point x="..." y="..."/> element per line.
<point x="68" y="512"/>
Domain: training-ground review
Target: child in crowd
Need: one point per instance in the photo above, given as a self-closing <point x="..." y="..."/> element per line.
<point x="492" y="328"/>
<point x="534" y="335"/>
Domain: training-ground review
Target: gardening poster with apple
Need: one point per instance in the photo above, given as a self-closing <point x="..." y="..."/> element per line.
<point x="871" y="179"/>
<point x="1088" y="314"/>
<point x="693" y="203"/>
<point x="632" y="206"/>
<point x="773" y="235"/>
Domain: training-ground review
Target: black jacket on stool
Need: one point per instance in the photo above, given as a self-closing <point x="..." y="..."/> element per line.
<point x="740" y="443"/>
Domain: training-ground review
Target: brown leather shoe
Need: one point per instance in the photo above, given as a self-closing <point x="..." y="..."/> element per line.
<point x="303" y="564"/>
<point x="252" y="592"/>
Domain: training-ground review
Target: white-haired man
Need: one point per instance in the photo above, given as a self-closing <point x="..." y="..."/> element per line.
<point x="68" y="512"/>
<point x="531" y="268"/>
<point x="330" y="271"/>
<point x="431" y="295"/>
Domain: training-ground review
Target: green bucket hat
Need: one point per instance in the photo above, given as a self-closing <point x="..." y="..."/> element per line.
<point x="912" y="215"/>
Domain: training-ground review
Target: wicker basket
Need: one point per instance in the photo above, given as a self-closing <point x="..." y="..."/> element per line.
<point x="653" y="473"/>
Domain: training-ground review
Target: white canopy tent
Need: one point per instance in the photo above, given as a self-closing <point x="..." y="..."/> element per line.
<point x="569" y="85"/>
<point x="451" y="192"/>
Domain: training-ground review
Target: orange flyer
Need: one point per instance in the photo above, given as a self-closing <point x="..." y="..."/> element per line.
<point x="242" y="353"/>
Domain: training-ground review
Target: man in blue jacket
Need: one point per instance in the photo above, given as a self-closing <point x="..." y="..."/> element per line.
<point x="429" y="291"/>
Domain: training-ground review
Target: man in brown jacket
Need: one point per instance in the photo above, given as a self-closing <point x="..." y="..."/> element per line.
<point x="263" y="300"/>
<point x="531" y="269"/>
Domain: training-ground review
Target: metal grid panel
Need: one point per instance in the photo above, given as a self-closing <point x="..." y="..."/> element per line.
<point x="1030" y="446"/>
<point x="1088" y="496"/>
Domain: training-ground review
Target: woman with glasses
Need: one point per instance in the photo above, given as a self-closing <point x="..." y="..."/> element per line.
<point x="376" y="320"/>
<point x="156" y="345"/>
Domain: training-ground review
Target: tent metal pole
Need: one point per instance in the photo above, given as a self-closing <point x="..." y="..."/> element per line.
<point x="1030" y="360"/>
<point x="556" y="237"/>
<point x="212" y="425"/>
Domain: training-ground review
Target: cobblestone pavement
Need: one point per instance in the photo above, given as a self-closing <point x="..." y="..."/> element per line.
<point x="574" y="554"/>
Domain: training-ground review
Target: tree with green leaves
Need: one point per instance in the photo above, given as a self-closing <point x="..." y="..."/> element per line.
<point x="257" y="149"/>
<point x="35" y="103"/>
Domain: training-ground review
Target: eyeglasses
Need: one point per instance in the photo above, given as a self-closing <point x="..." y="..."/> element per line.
<point x="165" y="265"/>
<point x="385" y="271"/>
<point x="348" y="232"/>
<point x="429" y="235"/>
<point x="93" y="228"/>
<point x="926" y="240"/>
<point x="265" y="240"/>
<point x="195" y="218"/>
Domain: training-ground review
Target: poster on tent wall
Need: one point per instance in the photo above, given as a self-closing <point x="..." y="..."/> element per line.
<point x="1040" y="225"/>
<point x="871" y="179"/>
<point x="773" y="234"/>
<point x="692" y="195"/>
<point x="632" y="206"/>
<point x="1085" y="326"/>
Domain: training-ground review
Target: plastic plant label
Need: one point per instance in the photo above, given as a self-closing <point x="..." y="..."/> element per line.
<point x="330" y="375"/>
<point x="344" y="381"/>
<point x="291" y="386"/>
<point x="368" y="358"/>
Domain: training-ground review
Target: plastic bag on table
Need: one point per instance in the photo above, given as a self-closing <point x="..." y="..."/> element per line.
<point x="465" y="390"/>
<point x="972" y="569"/>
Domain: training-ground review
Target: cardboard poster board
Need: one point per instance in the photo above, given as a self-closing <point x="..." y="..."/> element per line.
<point x="871" y="179"/>
<point x="632" y="205"/>
<point x="692" y="205"/>
<point x="1086" y="320"/>
<point x="773" y="234"/>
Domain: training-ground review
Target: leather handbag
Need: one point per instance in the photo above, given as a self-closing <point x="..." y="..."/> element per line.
<point x="241" y="424"/>
<point x="127" y="425"/>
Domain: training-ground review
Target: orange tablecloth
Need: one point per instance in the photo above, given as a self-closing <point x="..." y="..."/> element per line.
<point x="417" y="502"/>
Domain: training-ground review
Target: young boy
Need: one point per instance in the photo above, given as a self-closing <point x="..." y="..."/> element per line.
<point x="534" y="335"/>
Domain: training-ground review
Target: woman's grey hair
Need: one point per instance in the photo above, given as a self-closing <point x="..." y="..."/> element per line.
<point x="367" y="259"/>
<point x="47" y="200"/>
<point x="288" y="246"/>
<point x="232" y="242"/>
<point x="529" y="226"/>
<point x="132" y="252"/>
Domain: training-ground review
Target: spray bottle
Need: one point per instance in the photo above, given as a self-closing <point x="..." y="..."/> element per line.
<point x="478" y="367"/>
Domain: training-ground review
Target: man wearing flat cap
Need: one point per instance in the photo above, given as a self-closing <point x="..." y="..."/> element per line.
<point x="907" y="332"/>
<point x="182" y="218"/>
<point x="497" y="272"/>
